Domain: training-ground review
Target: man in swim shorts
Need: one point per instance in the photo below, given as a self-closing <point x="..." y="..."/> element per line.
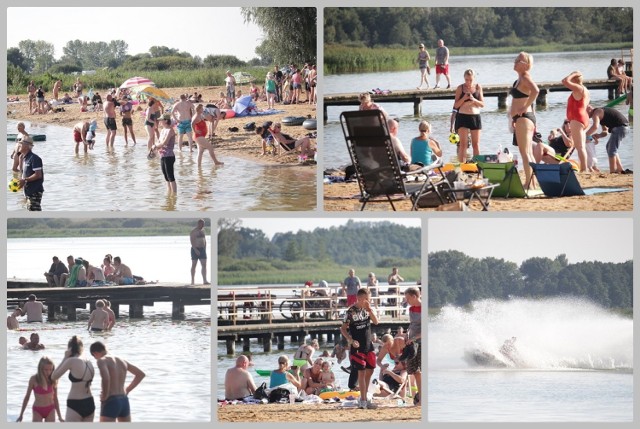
<point x="442" y="63"/>
<point x="80" y="135"/>
<point x="110" y="120"/>
<point x="182" y="112"/>
<point x="114" y="398"/>
<point x="122" y="274"/>
<point x="99" y="318"/>
<point x="198" y="251"/>
<point x="614" y="124"/>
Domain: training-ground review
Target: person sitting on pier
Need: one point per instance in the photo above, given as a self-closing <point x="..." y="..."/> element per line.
<point x="12" y="320"/>
<point x="65" y="276"/>
<point x="77" y="275"/>
<point x="34" y="343"/>
<point x="238" y="382"/>
<point x="282" y="375"/>
<point x="122" y="274"/>
<point x="54" y="274"/>
<point x="99" y="319"/>
<point x="33" y="309"/>
<point x="303" y="357"/>
<point x="95" y="275"/>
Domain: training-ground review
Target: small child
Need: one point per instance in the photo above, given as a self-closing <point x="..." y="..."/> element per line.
<point x="327" y="377"/>
<point x="91" y="134"/>
<point x="592" y="160"/>
<point x="45" y="391"/>
<point x="22" y="341"/>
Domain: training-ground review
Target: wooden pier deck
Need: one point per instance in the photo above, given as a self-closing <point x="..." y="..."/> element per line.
<point x="416" y="97"/>
<point x="136" y="297"/>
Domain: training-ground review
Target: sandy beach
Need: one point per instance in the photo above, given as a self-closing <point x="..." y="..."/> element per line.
<point x="344" y="197"/>
<point x="241" y="144"/>
<point x="321" y="413"/>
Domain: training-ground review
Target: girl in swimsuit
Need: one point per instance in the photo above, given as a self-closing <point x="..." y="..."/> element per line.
<point x="524" y="94"/>
<point x="468" y="102"/>
<point x="45" y="391"/>
<point x="577" y="114"/>
<point x="200" y="129"/>
<point x="150" y="123"/>
<point x="80" y="404"/>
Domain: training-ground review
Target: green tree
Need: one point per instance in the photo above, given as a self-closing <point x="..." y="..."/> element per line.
<point x="15" y="58"/>
<point x="290" y="32"/>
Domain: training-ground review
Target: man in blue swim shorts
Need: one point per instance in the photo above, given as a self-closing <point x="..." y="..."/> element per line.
<point x="182" y="112"/>
<point x="114" y="400"/>
<point x="122" y="274"/>
<point x="198" y="251"/>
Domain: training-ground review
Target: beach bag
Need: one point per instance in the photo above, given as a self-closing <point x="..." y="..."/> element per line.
<point x="260" y="392"/>
<point x="278" y="394"/>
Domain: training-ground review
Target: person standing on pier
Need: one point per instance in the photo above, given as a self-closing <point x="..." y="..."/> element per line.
<point x="198" y="251"/>
<point x="351" y="285"/>
<point x="442" y="63"/>
<point x="356" y="328"/>
<point x="114" y="397"/>
<point x="423" y="63"/>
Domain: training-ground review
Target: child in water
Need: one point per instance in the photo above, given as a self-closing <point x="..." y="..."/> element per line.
<point x="91" y="134"/>
<point x="45" y="392"/>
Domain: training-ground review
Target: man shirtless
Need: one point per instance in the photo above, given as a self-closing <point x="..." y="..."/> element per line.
<point x="238" y="382"/>
<point x="33" y="309"/>
<point x="15" y="155"/>
<point x="110" y="120"/>
<point x="80" y="135"/>
<point x="198" y="251"/>
<point x="122" y="274"/>
<point x="114" y="398"/>
<point x="56" y="89"/>
<point x="182" y="112"/>
<point x="99" y="318"/>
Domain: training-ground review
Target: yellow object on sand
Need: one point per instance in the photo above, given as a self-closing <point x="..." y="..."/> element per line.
<point x="342" y="394"/>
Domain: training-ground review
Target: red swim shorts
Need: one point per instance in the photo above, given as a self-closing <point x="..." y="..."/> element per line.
<point x="76" y="136"/>
<point x="442" y="68"/>
<point x="351" y="300"/>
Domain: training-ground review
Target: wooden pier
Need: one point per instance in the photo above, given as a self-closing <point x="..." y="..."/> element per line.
<point x="270" y="315"/>
<point x="416" y="97"/>
<point x="68" y="300"/>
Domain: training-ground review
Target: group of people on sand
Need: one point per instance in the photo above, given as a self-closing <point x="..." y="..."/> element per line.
<point x="583" y="127"/>
<point x="314" y="376"/>
<point x="81" y="406"/>
<point x="79" y="272"/>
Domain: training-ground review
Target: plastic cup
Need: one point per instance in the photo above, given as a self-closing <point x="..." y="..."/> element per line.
<point x="292" y="398"/>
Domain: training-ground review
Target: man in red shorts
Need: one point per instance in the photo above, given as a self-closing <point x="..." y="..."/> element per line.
<point x="442" y="63"/>
<point x="356" y="328"/>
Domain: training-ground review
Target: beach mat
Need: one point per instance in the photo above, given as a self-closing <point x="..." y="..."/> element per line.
<point x="593" y="191"/>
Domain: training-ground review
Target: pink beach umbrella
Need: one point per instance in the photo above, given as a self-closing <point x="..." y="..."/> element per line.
<point x="136" y="81"/>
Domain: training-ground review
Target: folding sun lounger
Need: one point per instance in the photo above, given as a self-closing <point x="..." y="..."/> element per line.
<point x="557" y="180"/>
<point x="506" y="175"/>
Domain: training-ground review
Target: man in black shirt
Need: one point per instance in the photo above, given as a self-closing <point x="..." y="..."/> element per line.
<point x="615" y="124"/>
<point x="356" y="328"/>
<point x="32" y="175"/>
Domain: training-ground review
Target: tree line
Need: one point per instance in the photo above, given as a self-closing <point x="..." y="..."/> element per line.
<point x="458" y="279"/>
<point x="477" y="26"/>
<point x="355" y="244"/>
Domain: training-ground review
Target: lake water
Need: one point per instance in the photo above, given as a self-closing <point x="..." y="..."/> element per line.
<point x="575" y="363"/>
<point x="125" y="180"/>
<point x="491" y="69"/>
<point x="177" y="386"/>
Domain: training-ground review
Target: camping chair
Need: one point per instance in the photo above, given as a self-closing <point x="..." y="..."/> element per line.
<point x="557" y="180"/>
<point x="400" y="392"/>
<point x="376" y="163"/>
<point x="506" y="175"/>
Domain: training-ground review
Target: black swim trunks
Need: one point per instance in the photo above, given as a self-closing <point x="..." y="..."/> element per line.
<point x="110" y="124"/>
<point x="127" y="121"/>
<point x="472" y="122"/>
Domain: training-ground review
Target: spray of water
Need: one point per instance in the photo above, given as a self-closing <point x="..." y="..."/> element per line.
<point x="555" y="333"/>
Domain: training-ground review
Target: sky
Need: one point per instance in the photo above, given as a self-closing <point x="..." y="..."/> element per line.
<point x="271" y="226"/>
<point x="203" y="32"/>
<point x="517" y="239"/>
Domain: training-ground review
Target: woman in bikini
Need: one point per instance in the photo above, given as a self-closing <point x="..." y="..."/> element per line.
<point x="577" y="114"/>
<point x="152" y="114"/>
<point x="303" y="357"/>
<point x="390" y="346"/>
<point x="524" y="94"/>
<point x="200" y="129"/>
<point x="45" y="391"/>
<point x="468" y="102"/>
<point x="80" y="404"/>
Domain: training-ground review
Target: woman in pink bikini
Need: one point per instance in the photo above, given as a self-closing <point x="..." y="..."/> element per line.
<point x="45" y="392"/>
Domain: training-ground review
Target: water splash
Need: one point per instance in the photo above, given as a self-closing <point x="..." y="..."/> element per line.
<point x="556" y="333"/>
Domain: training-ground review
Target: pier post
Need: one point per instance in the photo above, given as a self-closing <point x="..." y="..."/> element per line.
<point x="324" y="112"/>
<point x="541" y="101"/>
<point x="51" y="313"/>
<point x="280" y="342"/>
<point x="71" y="313"/>
<point x="502" y="101"/>
<point x="177" y="310"/>
<point x="266" y="343"/>
<point x="417" y="107"/>
<point x="246" y="344"/>
<point x="231" y="346"/>
<point x="116" y="309"/>
<point x="135" y="311"/>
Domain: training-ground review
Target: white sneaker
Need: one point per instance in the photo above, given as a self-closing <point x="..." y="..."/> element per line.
<point x="362" y="405"/>
<point x="371" y="405"/>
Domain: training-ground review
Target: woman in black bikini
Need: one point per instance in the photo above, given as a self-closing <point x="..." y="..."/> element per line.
<point x="80" y="404"/>
<point x="524" y="94"/>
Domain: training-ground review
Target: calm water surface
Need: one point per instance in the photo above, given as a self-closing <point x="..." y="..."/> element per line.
<point x="491" y="69"/>
<point x="178" y="382"/>
<point x="124" y="179"/>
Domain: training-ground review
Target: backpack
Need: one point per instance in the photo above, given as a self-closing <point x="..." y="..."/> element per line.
<point x="260" y="392"/>
<point x="279" y="394"/>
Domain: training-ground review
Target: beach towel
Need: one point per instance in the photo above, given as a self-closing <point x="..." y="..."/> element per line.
<point x="72" y="280"/>
<point x="593" y="191"/>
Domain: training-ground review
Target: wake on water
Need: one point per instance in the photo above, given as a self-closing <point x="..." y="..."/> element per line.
<point x="555" y="333"/>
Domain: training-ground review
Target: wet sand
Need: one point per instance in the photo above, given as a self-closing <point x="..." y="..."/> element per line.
<point x="240" y="144"/>
<point x="325" y="413"/>
<point x="344" y="197"/>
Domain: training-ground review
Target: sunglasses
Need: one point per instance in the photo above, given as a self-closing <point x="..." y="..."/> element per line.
<point x="282" y="362"/>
